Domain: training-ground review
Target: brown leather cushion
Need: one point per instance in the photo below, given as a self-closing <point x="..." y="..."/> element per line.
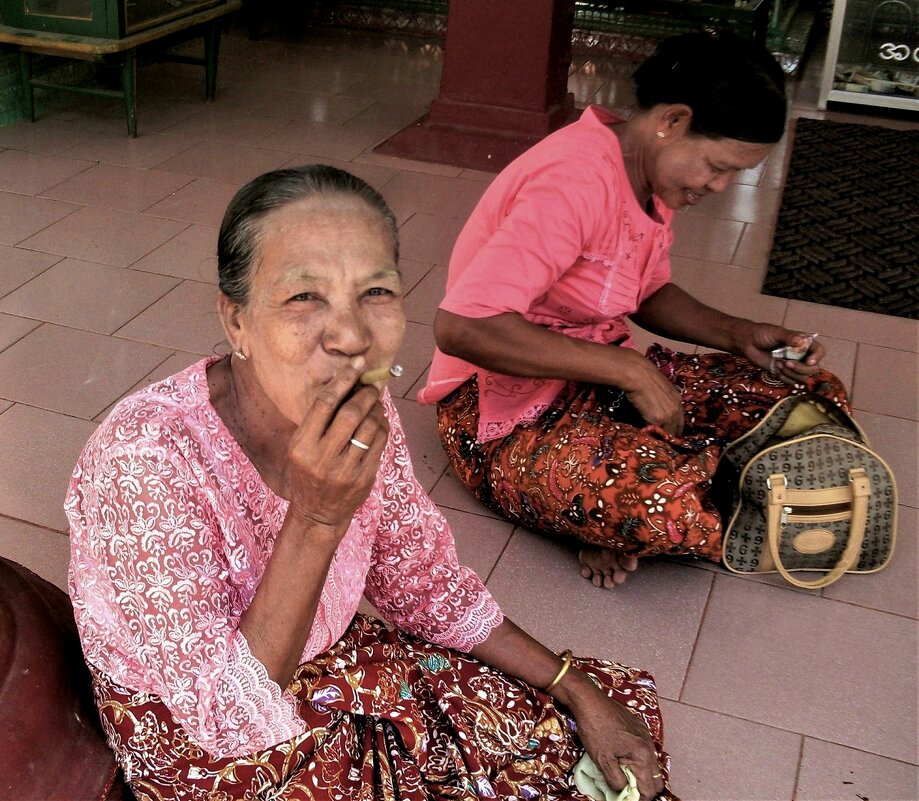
<point x="51" y="743"/>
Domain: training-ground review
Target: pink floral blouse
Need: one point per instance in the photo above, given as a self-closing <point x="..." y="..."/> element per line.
<point x="559" y="238"/>
<point x="171" y="530"/>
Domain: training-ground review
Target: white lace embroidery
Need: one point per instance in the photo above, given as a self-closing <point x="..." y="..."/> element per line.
<point x="171" y="530"/>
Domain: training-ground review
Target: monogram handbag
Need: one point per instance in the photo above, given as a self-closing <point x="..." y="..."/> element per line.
<point x="807" y="493"/>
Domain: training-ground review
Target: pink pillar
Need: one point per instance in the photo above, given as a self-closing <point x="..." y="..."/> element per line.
<point x="504" y="84"/>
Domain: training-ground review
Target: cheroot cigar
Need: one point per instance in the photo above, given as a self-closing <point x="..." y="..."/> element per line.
<point x="380" y="374"/>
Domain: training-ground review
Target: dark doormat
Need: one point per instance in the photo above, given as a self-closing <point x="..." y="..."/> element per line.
<point x="848" y="227"/>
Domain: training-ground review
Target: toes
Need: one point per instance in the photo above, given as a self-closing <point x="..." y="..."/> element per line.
<point x="609" y="581"/>
<point x="586" y="572"/>
<point x="597" y="579"/>
<point x="629" y="563"/>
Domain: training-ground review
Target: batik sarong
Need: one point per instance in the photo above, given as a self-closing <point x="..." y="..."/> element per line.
<point x="591" y="469"/>
<point x="388" y="717"/>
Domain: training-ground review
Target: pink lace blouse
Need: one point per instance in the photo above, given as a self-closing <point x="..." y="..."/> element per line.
<point x="171" y="530"/>
<point x="559" y="238"/>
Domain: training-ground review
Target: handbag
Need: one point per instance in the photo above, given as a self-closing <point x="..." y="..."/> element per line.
<point x="807" y="494"/>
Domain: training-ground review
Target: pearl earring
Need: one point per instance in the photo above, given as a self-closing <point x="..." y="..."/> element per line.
<point x="240" y="355"/>
<point x="661" y="134"/>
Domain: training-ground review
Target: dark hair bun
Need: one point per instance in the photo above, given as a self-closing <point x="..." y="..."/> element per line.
<point x="735" y="88"/>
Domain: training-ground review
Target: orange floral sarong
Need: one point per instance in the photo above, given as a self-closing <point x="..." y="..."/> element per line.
<point x="591" y="469"/>
<point x="388" y="717"/>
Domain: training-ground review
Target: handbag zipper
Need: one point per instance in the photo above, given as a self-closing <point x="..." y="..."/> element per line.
<point x="808" y="514"/>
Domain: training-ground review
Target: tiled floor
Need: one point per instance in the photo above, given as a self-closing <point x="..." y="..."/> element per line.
<point x="106" y="247"/>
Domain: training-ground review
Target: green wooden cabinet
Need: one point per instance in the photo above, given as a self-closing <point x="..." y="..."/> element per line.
<point x="105" y="19"/>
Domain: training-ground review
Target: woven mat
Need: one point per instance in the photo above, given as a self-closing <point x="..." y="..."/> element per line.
<point x="848" y="228"/>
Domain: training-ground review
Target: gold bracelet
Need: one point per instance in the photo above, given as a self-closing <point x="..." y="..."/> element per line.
<point x="566" y="663"/>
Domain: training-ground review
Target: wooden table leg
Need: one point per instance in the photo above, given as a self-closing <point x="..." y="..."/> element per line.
<point x="25" y="79"/>
<point x="128" y="88"/>
<point x="211" y="52"/>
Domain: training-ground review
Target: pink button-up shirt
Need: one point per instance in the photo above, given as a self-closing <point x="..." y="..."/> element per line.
<point x="171" y="528"/>
<point x="559" y="238"/>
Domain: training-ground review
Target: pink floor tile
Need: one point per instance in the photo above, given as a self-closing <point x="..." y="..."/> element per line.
<point x="114" y="187"/>
<point x="44" y="552"/>
<point x="895" y="588"/>
<point x="202" y="201"/>
<point x="830" y="772"/>
<point x="738" y="760"/>
<point x="323" y="141"/>
<point x="226" y="123"/>
<point x="809" y="665"/>
<point x="705" y="238"/>
<point x="185" y="319"/>
<point x="731" y="289"/>
<point x="12" y="329"/>
<point x="31" y="173"/>
<point x="191" y="254"/>
<point x="422" y="302"/>
<point x="88" y="296"/>
<point x="754" y="247"/>
<point x="50" y="138"/>
<point x="749" y="204"/>
<point x="753" y="176"/>
<point x="875" y="369"/>
<point x="20" y="266"/>
<point x="429" y="239"/>
<point x="428" y="457"/>
<point x="649" y="622"/>
<point x="433" y="194"/>
<point x="104" y="236"/>
<point x="327" y="109"/>
<point x="414" y="356"/>
<point x="875" y="329"/>
<point x="840" y="359"/>
<point x="897" y="441"/>
<point x="480" y="541"/>
<point x="412" y="273"/>
<point x="38" y="451"/>
<point x="22" y="216"/>
<point x="144" y="151"/>
<point x="427" y="167"/>
<point x="222" y="161"/>
<point x="73" y="372"/>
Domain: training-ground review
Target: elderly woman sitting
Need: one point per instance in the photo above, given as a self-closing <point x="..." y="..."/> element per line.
<point x="226" y="521"/>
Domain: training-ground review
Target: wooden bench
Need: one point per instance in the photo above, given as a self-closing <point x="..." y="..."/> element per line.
<point x="88" y="48"/>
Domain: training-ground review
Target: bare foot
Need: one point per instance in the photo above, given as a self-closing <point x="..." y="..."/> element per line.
<point x="604" y="566"/>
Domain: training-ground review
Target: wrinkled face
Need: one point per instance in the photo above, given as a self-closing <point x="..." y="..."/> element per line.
<point x="325" y="289"/>
<point x="688" y="166"/>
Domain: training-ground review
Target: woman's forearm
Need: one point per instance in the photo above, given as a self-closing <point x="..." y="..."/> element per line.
<point x="277" y="623"/>
<point x="514" y="652"/>
<point x="509" y="344"/>
<point x="674" y="313"/>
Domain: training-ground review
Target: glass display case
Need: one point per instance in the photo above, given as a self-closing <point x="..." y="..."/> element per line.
<point x="872" y="54"/>
<point x="106" y="19"/>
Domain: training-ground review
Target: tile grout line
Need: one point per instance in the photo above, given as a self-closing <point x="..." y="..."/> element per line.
<point x="695" y="643"/>
<point x="42" y="526"/>
<point x="794" y="788"/>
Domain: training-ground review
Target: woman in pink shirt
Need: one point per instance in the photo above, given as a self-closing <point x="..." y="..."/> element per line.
<point x="548" y="412"/>
<point x="226" y="521"/>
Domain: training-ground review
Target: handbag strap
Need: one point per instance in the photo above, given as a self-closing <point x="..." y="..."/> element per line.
<point x="856" y="493"/>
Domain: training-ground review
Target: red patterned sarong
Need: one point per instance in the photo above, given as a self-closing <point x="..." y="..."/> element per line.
<point x="388" y="717"/>
<point x="590" y="468"/>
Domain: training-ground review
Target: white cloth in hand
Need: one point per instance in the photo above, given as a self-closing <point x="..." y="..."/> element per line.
<point x="589" y="781"/>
